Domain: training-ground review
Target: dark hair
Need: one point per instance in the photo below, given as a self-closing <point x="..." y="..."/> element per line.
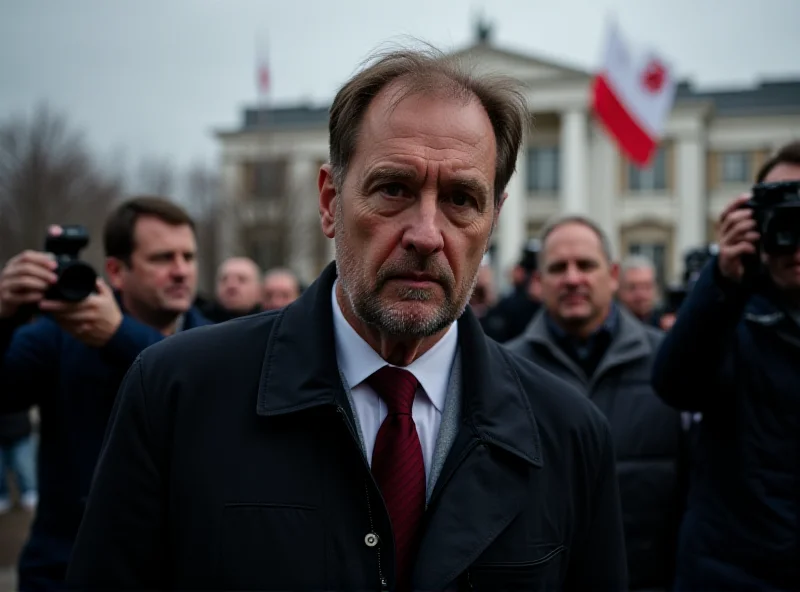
<point x="787" y="154"/>
<point x="119" y="232"/>
<point x="428" y="72"/>
<point x="560" y="221"/>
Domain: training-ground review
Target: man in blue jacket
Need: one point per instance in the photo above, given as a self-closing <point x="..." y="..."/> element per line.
<point x="734" y="355"/>
<point x="70" y="362"/>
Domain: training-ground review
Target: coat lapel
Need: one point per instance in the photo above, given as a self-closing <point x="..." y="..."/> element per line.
<point x="484" y="483"/>
<point x="299" y="369"/>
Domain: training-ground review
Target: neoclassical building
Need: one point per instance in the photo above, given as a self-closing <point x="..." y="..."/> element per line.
<point x="714" y="143"/>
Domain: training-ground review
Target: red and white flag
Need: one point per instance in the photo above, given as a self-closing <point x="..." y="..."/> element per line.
<point x="632" y="95"/>
<point x="263" y="72"/>
<point x="263" y="77"/>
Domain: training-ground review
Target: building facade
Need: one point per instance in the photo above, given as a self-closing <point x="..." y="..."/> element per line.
<point x="713" y="145"/>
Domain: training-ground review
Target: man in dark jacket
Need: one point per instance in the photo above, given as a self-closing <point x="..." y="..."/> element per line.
<point x="70" y="362"/>
<point x="583" y="336"/>
<point x="734" y="355"/>
<point x="367" y="436"/>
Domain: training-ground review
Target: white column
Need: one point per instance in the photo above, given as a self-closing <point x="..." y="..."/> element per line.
<point x="303" y="216"/>
<point x="690" y="160"/>
<point x="603" y="207"/>
<point x="228" y="231"/>
<point x="511" y="228"/>
<point x="574" y="162"/>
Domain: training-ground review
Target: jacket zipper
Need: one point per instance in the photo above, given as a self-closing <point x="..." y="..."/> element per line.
<point x="384" y="583"/>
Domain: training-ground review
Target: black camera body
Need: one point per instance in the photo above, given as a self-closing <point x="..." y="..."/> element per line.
<point x="776" y="210"/>
<point x="76" y="279"/>
<point x="674" y="298"/>
<point x="693" y="263"/>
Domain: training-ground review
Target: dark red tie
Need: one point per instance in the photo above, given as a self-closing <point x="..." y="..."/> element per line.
<point x="398" y="467"/>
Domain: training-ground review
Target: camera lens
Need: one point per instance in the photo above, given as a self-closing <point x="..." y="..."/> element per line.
<point x="76" y="282"/>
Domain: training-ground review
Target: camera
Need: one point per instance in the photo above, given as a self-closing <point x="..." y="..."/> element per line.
<point x="529" y="260"/>
<point x="776" y="210"/>
<point x="76" y="279"/>
<point x="693" y="263"/>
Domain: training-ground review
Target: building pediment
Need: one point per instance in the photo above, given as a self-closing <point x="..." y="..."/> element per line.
<point x="532" y="70"/>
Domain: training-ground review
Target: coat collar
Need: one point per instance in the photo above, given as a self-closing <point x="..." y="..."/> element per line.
<point x="191" y="318"/>
<point x="300" y="372"/>
<point x="630" y="342"/>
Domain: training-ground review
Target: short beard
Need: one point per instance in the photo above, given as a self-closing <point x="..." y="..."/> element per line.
<point x="366" y="303"/>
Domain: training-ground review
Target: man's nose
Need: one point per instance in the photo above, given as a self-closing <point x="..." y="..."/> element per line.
<point x="180" y="267"/>
<point x="573" y="275"/>
<point x="424" y="233"/>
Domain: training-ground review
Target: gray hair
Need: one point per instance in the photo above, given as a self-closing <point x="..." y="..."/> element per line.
<point x="563" y="220"/>
<point x="636" y="262"/>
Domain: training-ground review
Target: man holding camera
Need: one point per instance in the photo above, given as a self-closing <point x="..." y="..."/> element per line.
<point x="70" y="362"/>
<point x="734" y="355"/>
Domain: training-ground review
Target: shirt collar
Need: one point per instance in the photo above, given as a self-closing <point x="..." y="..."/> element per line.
<point x="358" y="361"/>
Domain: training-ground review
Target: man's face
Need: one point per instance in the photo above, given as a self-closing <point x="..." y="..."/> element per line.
<point x="162" y="276"/>
<point x="279" y="290"/>
<point x="785" y="269"/>
<point x="415" y="212"/>
<point x="637" y="291"/>
<point x="576" y="280"/>
<point x="238" y="288"/>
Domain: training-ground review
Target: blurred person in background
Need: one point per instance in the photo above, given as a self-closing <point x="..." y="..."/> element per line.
<point x="483" y="296"/>
<point x="734" y="356"/>
<point x="583" y="336"/>
<point x="513" y="312"/>
<point x="370" y="436"/>
<point x="17" y="460"/>
<point x="71" y="361"/>
<point x="281" y="287"/>
<point x="638" y="290"/>
<point x="238" y="291"/>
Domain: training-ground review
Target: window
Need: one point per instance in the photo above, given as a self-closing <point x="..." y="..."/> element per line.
<point x="657" y="253"/>
<point x="267" y="179"/>
<point x="543" y="169"/>
<point x="653" y="178"/>
<point x="265" y="246"/>
<point x="735" y="167"/>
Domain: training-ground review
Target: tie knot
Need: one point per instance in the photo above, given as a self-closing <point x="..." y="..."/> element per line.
<point x="396" y="387"/>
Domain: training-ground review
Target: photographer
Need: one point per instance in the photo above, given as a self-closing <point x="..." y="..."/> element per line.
<point x="70" y="362"/>
<point x="734" y="355"/>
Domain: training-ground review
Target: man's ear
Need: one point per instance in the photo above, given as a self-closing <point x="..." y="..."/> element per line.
<point x="114" y="271"/>
<point x="327" y="200"/>
<point x="614" y="269"/>
<point x="535" y="286"/>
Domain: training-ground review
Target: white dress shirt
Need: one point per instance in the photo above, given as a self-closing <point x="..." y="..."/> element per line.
<point x="357" y="361"/>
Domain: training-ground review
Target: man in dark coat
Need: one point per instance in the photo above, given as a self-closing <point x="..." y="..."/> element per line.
<point x="368" y="436"/>
<point x="734" y="356"/>
<point x="70" y="361"/>
<point x="585" y="337"/>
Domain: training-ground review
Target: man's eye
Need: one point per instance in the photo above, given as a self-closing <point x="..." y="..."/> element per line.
<point x="394" y="189"/>
<point x="461" y="199"/>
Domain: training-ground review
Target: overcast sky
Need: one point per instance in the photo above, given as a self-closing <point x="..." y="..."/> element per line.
<point x="156" y="77"/>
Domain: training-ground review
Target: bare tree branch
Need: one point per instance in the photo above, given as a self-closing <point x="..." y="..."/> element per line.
<point x="47" y="176"/>
<point x="156" y="177"/>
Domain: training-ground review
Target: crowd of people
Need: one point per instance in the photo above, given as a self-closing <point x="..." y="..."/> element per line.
<point x="395" y="425"/>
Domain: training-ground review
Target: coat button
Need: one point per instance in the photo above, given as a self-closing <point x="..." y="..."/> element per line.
<point x="372" y="539"/>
